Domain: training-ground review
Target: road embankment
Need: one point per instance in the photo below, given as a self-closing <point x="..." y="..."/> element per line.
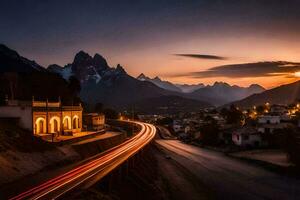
<point x="152" y="175"/>
<point x="18" y="165"/>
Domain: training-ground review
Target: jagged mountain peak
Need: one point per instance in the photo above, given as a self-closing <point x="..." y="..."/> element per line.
<point x="99" y="60"/>
<point x="157" y="78"/>
<point x="142" y="77"/>
<point x="81" y="57"/>
<point x="120" y="69"/>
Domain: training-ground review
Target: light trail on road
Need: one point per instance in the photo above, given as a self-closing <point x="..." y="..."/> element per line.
<point x="98" y="166"/>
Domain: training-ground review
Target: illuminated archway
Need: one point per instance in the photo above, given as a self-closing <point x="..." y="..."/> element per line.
<point x="75" y="122"/>
<point x="54" y="124"/>
<point x="40" y="125"/>
<point x="67" y="123"/>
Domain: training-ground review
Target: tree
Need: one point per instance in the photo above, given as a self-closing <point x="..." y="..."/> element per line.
<point x="291" y="144"/>
<point x="74" y="86"/>
<point x="232" y="115"/>
<point x="224" y="112"/>
<point x="164" y="121"/>
<point x="260" y="109"/>
<point x="110" y="113"/>
<point x="209" y="133"/>
<point x="99" y="107"/>
<point x="12" y="79"/>
<point x="288" y="140"/>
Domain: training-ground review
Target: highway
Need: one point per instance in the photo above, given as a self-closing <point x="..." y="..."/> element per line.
<point x="98" y="167"/>
<point x="231" y="178"/>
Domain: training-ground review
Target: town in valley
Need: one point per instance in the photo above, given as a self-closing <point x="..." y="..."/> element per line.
<point x="152" y="100"/>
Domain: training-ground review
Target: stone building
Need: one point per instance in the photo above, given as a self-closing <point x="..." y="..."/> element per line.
<point x="94" y="121"/>
<point x="247" y="137"/>
<point x="43" y="117"/>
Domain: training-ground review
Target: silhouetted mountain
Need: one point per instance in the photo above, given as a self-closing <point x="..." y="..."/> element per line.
<point x="186" y="88"/>
<point x="11" y="61"/>
<point x="21" y="78"/>
<point x="117" y="89"/>
<point x="221" y="93"/>
<point x="160" y="83"/>
<point x="218" y="94"/>
<point x="168" y="104"/>
<point x="84" y="67"/>
<point x="284" y="94"/>
<point x="108" y="85"/>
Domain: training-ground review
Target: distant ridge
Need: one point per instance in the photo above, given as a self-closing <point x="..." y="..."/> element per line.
<point x="284" y="94"/>
<point x="217" y="94"/>
<point x="221" y="93"/>
<point x="160" y="83"/>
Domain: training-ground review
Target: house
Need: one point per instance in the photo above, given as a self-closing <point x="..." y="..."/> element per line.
<point x="268" y="119"/>
<point x="43" y="117"/>
<point x="269" y="128"/>
<point x="94" y="121"/>
<point x="177" y="126"/>
<point x="278" y="109"/>
<point x="269" y="123"/>
<point x="247" y="137"/>
<point x="281" y="111"/>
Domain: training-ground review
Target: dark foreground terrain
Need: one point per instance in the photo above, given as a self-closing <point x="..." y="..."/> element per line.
<point x="154" y="176"/>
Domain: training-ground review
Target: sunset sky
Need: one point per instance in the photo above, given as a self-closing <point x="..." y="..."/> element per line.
<point x="179" y="41"/>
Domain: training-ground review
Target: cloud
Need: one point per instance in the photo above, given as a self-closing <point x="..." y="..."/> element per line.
<point x="202" y="56"/>
<point x="259" y="69"/>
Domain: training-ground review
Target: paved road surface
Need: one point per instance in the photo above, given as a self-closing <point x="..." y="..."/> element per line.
<point x="231" y="178"/>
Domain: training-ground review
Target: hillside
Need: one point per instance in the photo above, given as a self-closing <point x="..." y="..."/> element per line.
<point x="284" y="94"/>
<point x="21" y="78"/>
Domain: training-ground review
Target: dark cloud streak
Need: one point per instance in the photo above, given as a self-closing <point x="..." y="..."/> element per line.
<point x="202" y="56"/>
<point x="248" y="70"/>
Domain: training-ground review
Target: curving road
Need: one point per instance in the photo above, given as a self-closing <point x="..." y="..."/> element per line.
<point x="98" y="167"/>
<point x="230" y="178"/>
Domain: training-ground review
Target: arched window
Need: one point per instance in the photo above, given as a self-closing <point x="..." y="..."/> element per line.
<point x="54" y="125"/>
<point x="40" y="125"/>
<point x="75" y="122"/>
<point x="67" y="123"/>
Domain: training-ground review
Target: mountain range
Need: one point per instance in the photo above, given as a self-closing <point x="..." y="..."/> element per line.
<point x="112" y="86"/>
<point x="217" y="94"/>
<point x="185" y="88"/>
<point x="222" y="93"/>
